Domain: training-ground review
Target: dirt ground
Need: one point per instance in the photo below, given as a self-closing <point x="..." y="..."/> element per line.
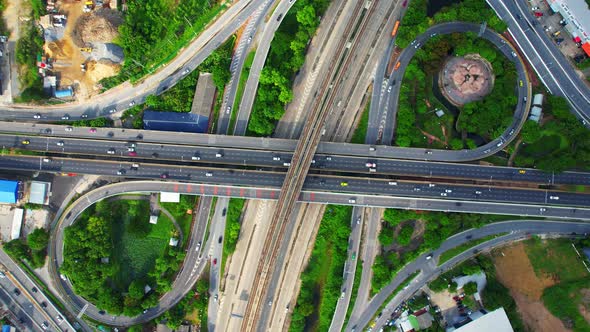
<point x="80" y="29"/>
<point x="515" y="271"/>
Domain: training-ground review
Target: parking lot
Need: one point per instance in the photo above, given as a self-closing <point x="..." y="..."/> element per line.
<point x="553" y="25"/>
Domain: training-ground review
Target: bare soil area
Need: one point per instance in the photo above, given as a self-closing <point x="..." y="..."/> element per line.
<point x="515" y="271"/>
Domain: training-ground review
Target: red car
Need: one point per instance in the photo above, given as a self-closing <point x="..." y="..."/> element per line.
<point x="405" y="3"/>
<point x="538" y="14"/>
<point x="214" y="261"/>
<point x="132" y="154"/>
<point x="92" y="130"/>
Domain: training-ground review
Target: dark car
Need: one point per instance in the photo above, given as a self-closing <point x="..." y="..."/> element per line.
<point x="34" y="289"/>
<point x="44" y="304"/>
<point x="220" y="238"/>
<point x="224" y="212"/>
<point x="279" y="17"/>
<point x="16" y="291"/>
<point x="102" y="312"/>
<point x="214" y="261"/>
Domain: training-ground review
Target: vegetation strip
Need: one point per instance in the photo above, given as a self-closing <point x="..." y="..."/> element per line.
<point x="445" y="256"/>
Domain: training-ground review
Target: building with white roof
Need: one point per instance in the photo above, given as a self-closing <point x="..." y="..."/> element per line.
<point x="494" y="321"/>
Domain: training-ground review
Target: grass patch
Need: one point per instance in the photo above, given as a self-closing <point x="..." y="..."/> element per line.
<point x="556" y="258"/>
<point x="361" y="130"/>
<point x="240" y="91"/>
<point x="445" y="256"/>
<point x="232" y="229"/>
<point x="179" y="212"/>
<point x="355" y="287"/>
<point x="322" y="278"/>
<point x="134" y="252"/>
<point x="564" y="301"/>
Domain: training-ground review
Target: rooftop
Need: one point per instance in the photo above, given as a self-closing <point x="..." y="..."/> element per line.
<point x="175" y="121"/>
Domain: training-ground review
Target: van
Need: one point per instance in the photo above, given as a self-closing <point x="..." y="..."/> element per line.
<point x="286" y="164"/>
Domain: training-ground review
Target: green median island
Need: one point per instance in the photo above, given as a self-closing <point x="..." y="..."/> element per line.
<point x="121" y="256"/>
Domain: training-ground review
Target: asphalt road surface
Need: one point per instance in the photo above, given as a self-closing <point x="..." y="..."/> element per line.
<point x="429" y="270"/>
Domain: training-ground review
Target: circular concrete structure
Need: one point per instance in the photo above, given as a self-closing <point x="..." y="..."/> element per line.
<point x="466" y="79"/>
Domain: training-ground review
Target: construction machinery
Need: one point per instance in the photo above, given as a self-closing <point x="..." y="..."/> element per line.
<point x="86" y="49"/>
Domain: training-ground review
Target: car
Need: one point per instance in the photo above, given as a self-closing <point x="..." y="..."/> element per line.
<point x="428" y="152"/>
<point x="313" y="161"/>
<point x="92" y="130"/>
<point x="131" y="104"/>
<point x="555" y="198"/>
<point x="219" y="154"/>
<point x="518" y="16"/>
<point x="542" y="209"/>
<point x="269" y="303"/>
<point x="279" y="17"/>
<point x="111" y="151"/>
<point x="102" y="312"/>
<point x="186" y="71"/>
<point x="372" y="148"/>
<point x="499" y="144"/>
<point x="196" y="157"/>
<point x="16" y="292"/>
<point x="513" y="54"/>
<point x="65" y="117"/>
<point x="216" y="297"/>
<point x="521" y="171"/>
<point x="511" y="132"/>
<point x="214" y="261"/>
<point x="224" y="212"/>
<point x="329" y="158"/>
<point x="287" y="164"/>
<point x="135" y="166"/>
<point x="392" y="183"/>
<point x="84" y="116"/>
<point x="63" y="276"/>
<point x="113" y="110"/>
<point x="121" y="172"/>
<point x="37" y="116"/>
<point x="342" y="294"/>
<point x="164" y="176"/>
<point x="44" y="304"/>
<point x="413" y="42"/>
<point x="369" y="164"/>
<point x="520" y="82"/>
<point x="2" y="275"/>
<point x="130" y="149"/>
<point x="443" y="194"/>
<point x="343" y="184"/>
<point x="353" y="257"/>
<point x="352" y="201"/>
<point x="417" y="45"/>
<point x="277" y="158"/>
<point x="60" y="143"/>
<point x="132" y="154"/>
<point x="448" y="191"/>
<point x="535" y="8"/>
<point x="220" y="239"/>
<point x="44" y="325"/>
<point x="34" y="289"/>
<point x="477" y="192"/>
<point x="416" y="189"/>
<point x="358" y="220"/>
<point x="487" y="151"/>
<point x="538" y="14"/>
<point x="389" y="88"/>
<point x="59" y="318"/>
<point x="228" y="110"/>
<point x="26" y="142"/>
<point x="208" y="174"/>
<point x="322" y="182"/>
<point x="431" y="185"/>
<point x="155" y="155"/>
<point x="249" y="39"/>
<point x="69" y="129"/>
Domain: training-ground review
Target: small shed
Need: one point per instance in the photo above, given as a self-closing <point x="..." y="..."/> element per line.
<point x="64" y="93"/>
<point x="153" y="219"/>
<point x="173" y="242"/>
<point x="538" y="99"/>
<point x="439" y="113"/>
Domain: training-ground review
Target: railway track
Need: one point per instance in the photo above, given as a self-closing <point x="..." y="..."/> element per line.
<point x="301" y="160"/>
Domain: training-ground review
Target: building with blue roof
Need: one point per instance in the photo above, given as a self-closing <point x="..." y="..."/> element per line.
<point x="8" y="191"/>
<point x="175" y="121"/>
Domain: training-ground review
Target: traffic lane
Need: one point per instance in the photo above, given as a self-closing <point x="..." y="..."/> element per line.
<point x="278" y="159"/>
<point x="563" y="79"/>
<point x="24" y="311"/>
<point x="202" y="46"/>
<point x="430" y="270"/>
<point x="317" y="182"/>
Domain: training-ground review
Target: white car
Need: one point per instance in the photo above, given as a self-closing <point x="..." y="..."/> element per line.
<point x="228" y="110"/>
<point x="392" y="183"/>
<point x="429" y="257"/>
<point x="372" y="165"/>
<point x="431" y="185"/>
<point x="131" y="104"/>
<point x="46" y="160"/>
<point x="65" y="117"/>
<point x="477" y="192"/>
<point x="60" y="143"/>
<point x="69" y="128"/>
<point x="389" y="88"/>
<point x="196" y="157"/>
<point x="276" y="158"/>
<point x="84" y="116"/>
<point x="208" y="174"/>
<point x="37" y="116"/>
<point x="443" y="194"/>
<point x="555" y="198"/>
<point x="186" y="71"/>
<point x="542" y="209"/>
<point x="448" y="191"/>
<point x="249" y="39"/>
<point x="352" y="201"/>
<point x="111" y="151"/>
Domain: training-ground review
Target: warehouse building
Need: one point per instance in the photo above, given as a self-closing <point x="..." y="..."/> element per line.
<point x="175" y="121"/>
<point x="8" y="192"/>
<point x="39" y="192"/>
<point x="576" y="14"/>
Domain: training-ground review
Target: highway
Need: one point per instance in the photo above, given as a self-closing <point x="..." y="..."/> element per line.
<point x="547" y="60"/>
<point x="29" y="303"/>
<point x="215" y="257"/>
<point x="356" y="224"/>
<point x="117" y="99"/>
<point x="514" y="230"/>
<point x="238" y="158"/>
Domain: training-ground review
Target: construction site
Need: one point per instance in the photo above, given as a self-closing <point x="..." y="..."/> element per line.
<point x="79" y="49"/>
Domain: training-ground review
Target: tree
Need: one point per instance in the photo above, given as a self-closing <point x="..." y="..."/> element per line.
<point x="470" y="288"/>
<point x="17" y="248"/>
<point x="38" y="239"/>
<point x="405" y="235"/>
